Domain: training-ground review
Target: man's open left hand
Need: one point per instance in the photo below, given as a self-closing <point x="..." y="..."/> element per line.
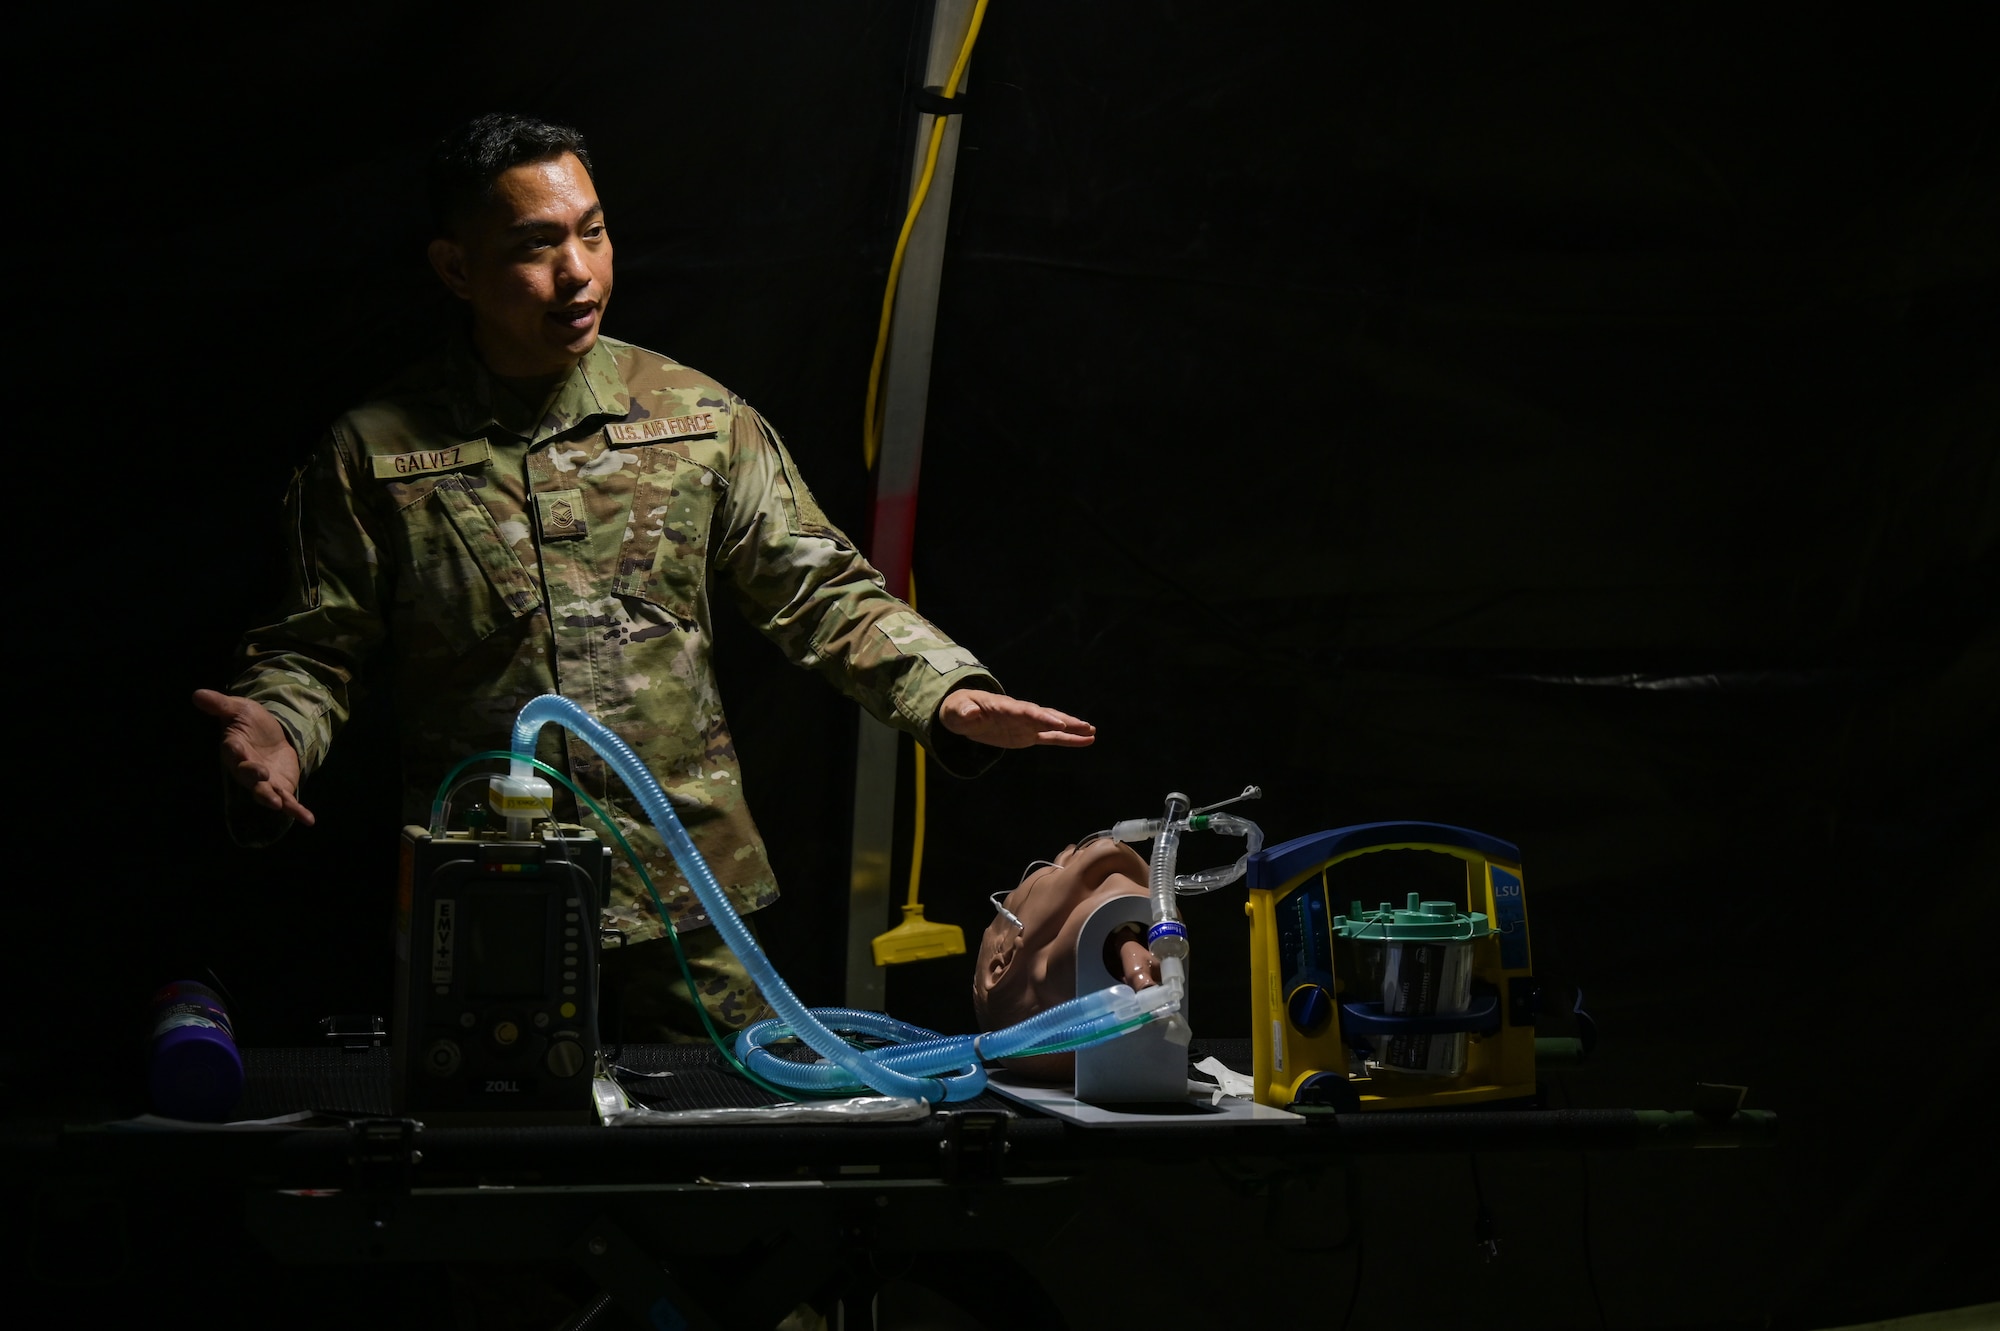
<point x="1011" y="723"/>
<point x="256" y="753"/>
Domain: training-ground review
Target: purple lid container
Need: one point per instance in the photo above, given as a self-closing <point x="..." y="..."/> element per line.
<point x="196" y="1070"/>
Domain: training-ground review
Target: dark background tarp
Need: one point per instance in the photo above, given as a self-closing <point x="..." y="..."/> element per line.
<point x="1576" y="426"/>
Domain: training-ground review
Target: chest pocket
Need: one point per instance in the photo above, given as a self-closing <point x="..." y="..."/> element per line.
<point x="467" y="582"/>
<point x="663" y="558"/>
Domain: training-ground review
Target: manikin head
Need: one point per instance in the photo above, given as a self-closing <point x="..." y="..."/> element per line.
<point x="520" y="238"/>
<point x="1028" y="969"/>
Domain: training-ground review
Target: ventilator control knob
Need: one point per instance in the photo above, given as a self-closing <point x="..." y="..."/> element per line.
<point x="1310" y="1009"/>
<point x="565" y="1058"/>
<point x="442" y="1058"/>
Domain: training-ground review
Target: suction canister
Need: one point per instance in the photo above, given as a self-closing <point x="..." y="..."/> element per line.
<point x="196" y="1070"/>
<point x="1419" y="959"/>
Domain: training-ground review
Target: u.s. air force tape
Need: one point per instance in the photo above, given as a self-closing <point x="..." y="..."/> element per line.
<point x="694" y="425"/>
<point x="400" y="466"/>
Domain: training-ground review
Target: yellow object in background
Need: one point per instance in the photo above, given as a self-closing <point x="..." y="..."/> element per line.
<point x="916" y="938"/>
<point x="871" y="423"/>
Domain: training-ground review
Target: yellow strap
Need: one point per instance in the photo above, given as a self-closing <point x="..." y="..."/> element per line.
<point x="917" y="837"/>
<point x="871" y="425"/>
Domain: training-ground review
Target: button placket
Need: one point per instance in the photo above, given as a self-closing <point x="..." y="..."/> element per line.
<point x="540" y="475"/>
<point x="577" y="574"/>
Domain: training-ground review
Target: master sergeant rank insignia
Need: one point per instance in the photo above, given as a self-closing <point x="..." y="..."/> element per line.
<point x="562" y="514"/>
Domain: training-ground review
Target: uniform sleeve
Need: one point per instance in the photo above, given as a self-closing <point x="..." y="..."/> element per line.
<point x="301" y="666"/>
<point x="805" y="587"/>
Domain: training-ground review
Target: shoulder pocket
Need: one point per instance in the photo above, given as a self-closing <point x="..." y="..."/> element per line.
<point x="468" y="582"/>
<point x="664" y="555"/>
<point x="790" y="496"/>
<point x="803" y="513"/>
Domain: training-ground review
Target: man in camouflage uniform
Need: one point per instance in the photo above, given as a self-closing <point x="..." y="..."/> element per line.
<point x="541" y="509"/>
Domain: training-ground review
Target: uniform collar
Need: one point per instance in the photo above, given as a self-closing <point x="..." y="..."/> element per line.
<point x="479" y="404"/>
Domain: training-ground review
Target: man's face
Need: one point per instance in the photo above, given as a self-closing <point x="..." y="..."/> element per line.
<point x="535" y="266"/>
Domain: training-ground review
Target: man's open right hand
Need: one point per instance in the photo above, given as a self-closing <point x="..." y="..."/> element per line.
<point x="255" y="752"/>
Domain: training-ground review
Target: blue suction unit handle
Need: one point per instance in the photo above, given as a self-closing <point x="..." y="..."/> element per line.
<point x="1275" y="866"/>
<point x="1364" y="1019"/>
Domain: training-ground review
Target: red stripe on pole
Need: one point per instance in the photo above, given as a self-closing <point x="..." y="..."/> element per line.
<point x="893" y="531"/>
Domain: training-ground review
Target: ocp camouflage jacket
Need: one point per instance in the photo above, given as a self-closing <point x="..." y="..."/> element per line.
<point x="496" y="556"/>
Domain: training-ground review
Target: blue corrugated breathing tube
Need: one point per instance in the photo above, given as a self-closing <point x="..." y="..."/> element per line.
<point x="917" y="1063"/>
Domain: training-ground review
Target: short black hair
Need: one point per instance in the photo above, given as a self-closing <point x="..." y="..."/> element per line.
<point x="468" y="160"/>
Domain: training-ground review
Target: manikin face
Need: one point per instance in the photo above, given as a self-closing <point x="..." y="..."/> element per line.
<point x="535" y="266"/>
<point x="1025" y="971"/>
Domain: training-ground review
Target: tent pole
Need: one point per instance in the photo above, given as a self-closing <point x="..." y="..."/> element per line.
<point x="905" y="390"/>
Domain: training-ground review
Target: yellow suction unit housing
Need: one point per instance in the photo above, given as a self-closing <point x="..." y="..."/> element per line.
<point x="1331" y="1023"/>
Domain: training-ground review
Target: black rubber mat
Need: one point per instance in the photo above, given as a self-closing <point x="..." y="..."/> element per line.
<point x="700" y="1080"/>
<point x="334" y="1081"/>
<point x="356" y="1082"/>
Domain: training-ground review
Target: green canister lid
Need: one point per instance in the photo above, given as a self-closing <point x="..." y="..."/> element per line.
<point x="1418" y="922"/>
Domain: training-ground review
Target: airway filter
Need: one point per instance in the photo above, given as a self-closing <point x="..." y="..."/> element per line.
<point x="197" y="1072"/>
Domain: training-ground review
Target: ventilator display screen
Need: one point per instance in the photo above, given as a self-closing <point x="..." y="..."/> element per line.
<point x="506" y="933"/>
